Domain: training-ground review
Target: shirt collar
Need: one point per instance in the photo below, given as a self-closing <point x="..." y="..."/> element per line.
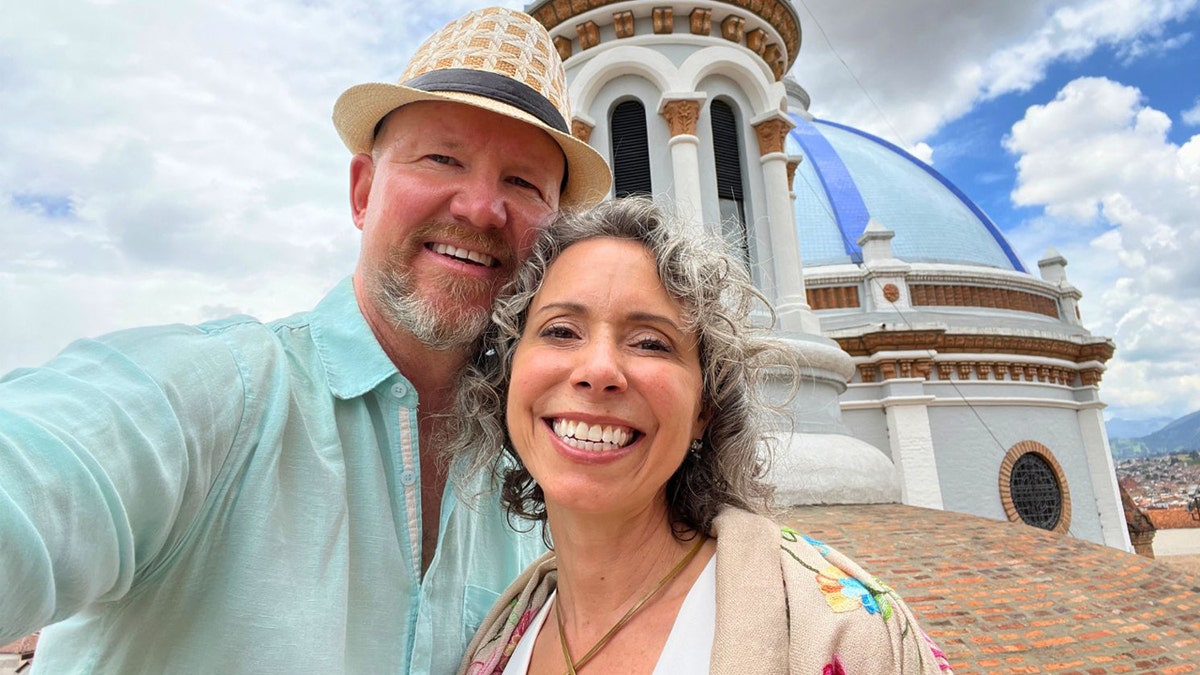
<point x="353" y="360"/>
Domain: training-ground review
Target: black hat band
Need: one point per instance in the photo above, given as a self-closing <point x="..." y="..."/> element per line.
<point x="494" y="86"/>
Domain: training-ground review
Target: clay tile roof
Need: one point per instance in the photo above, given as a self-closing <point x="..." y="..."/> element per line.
<point x="25" y="645"/>
<point x="1007" y="598"/>
<point x="1170" y="519"/>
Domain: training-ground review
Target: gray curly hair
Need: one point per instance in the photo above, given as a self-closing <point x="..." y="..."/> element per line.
<point x="716" y="296"/>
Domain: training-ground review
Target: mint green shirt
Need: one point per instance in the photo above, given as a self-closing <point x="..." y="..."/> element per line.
<point x="235" y="497"/>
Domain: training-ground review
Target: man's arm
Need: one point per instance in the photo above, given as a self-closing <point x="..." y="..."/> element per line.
<point x="106" y="455"/>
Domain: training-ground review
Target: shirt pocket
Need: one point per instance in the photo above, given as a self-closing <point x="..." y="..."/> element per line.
<point x="477" y="602"/>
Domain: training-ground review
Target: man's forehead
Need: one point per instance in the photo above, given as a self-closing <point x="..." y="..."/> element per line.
<point x="457" y="125"/>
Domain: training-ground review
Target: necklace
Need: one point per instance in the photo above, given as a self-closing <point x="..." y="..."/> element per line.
<point x="562" y="634"/>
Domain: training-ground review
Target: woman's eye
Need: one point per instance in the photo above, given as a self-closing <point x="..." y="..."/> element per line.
<point x="653" y="344"/>
<point x="441" y="159"/>
<point x="557" y="332"/>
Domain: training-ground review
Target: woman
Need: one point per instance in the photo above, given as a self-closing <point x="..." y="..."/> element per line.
<point x="616" y="400"/>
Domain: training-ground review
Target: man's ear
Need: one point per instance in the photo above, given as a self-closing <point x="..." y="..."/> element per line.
<point x="362" y="172"/>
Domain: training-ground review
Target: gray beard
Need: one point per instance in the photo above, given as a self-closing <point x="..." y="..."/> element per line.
<point x="436" y="328"/>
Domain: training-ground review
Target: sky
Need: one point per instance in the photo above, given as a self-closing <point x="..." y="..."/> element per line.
<point x="174" y="161"/>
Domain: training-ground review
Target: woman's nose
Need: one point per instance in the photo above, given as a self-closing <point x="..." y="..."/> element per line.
<point x="599" y="368"/>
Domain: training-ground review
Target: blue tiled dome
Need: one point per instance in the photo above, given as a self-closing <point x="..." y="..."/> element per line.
<point x="848" y="177"/>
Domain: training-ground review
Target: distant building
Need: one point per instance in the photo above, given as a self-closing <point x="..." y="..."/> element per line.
<point x="942" y="373"/>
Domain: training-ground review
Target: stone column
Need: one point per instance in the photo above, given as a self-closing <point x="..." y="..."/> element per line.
<point x="681" y="115"/>
<point x="906" y="406"/>
<point x="790" y="301"/>
<point x="1100" y="466"/>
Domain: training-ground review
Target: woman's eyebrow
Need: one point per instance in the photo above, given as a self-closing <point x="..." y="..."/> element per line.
<point x="569" y="307"/>
<point x="632" y="317"/>
<point x="651" y="317"/>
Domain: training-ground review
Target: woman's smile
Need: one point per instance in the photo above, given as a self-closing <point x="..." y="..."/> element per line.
<point x="592" y="437"/>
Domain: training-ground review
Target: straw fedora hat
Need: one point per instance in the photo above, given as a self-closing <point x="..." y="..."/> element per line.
<point x="497" y="59"/>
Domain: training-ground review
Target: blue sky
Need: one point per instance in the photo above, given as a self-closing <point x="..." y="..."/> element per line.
<point x="969" y="150"/>
<point x="174" y="161"/>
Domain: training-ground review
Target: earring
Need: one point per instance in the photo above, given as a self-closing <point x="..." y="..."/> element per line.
<point x="695" y="447"/>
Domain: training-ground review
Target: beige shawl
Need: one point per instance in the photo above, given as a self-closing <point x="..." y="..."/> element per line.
<point x="785" y="603"/>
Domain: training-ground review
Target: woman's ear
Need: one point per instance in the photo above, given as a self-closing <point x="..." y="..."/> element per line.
<point x="701" y="421"/>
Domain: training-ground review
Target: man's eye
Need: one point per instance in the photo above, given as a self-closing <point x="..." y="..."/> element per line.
<point x="441" y="159"/>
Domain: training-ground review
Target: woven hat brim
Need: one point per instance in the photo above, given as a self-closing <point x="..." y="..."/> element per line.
<point x="359" y="109"/>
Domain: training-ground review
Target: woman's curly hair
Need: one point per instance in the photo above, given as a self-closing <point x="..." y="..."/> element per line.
<point x="716" y="297"/>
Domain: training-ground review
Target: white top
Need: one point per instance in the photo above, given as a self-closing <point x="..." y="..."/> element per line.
<point x="688" y="648"/>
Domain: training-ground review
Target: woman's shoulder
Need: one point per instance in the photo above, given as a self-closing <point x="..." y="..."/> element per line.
<point x="837" y="612"/>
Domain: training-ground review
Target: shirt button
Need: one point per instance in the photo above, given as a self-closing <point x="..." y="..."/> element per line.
<point x="408" y="478"/>
<point x="399" y="390"/>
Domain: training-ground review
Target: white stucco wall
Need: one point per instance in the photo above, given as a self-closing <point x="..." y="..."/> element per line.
<point x="971" y="444"/>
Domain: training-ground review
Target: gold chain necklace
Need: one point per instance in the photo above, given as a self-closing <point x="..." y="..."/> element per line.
<point x="562" y="634"/>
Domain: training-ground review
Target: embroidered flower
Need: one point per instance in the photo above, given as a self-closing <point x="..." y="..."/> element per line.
<point x="524" y="621"/>
<point x="834" y="667"/>
<point x="844" y="593"/>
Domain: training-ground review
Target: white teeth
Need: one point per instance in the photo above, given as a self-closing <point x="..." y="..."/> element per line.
<point x="463" y="254"/>
<point x="594" y="437"/>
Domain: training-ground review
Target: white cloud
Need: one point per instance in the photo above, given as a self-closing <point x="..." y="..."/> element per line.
<point x="1124" y="198"/>
<point x="1142" y="48"/>
<point x="912" y="67"/>
<point x="159" y="158"/>
<point x="923" y="152"/>
<point x="1191" y="116"/>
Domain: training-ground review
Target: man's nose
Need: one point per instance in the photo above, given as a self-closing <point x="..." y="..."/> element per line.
<point x="480" y="202"/>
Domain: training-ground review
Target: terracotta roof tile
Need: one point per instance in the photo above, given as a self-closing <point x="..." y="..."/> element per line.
<point x="1007" y="598"/>
<point x="1170" y="519"/>
<point x="22" y="646"/>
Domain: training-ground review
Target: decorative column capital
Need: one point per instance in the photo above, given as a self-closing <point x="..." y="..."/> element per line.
<point x="771" y="134"/>
<point x="681" y="115"/>
<point x="581" y="130"/>
<point x="792" y="165"/>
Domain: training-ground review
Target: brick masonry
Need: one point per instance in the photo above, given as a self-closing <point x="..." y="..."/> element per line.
<point x="1007" y="598"/>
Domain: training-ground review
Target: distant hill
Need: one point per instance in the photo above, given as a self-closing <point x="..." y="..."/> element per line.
<point x="1180" y="435"/>
<point x="1121" y="428"/>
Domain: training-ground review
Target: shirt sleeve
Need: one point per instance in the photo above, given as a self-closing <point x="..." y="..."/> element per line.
<point x="107" y="454"/>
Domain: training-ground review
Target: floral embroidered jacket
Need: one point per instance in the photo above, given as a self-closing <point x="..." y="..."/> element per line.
<point x="785" y="604"/>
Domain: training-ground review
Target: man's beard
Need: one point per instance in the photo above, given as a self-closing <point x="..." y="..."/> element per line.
<point x="456" y="321"/>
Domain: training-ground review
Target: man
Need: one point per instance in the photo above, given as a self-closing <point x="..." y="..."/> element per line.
<point x="240" y="497"/>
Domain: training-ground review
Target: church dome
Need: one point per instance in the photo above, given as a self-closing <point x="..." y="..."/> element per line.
<point x="848" y="177"/>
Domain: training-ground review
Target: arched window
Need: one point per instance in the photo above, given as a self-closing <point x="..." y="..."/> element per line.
<point x="727" y="154"/>
<point x="630" y="150"/>
<point x="1033" y="488"/>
